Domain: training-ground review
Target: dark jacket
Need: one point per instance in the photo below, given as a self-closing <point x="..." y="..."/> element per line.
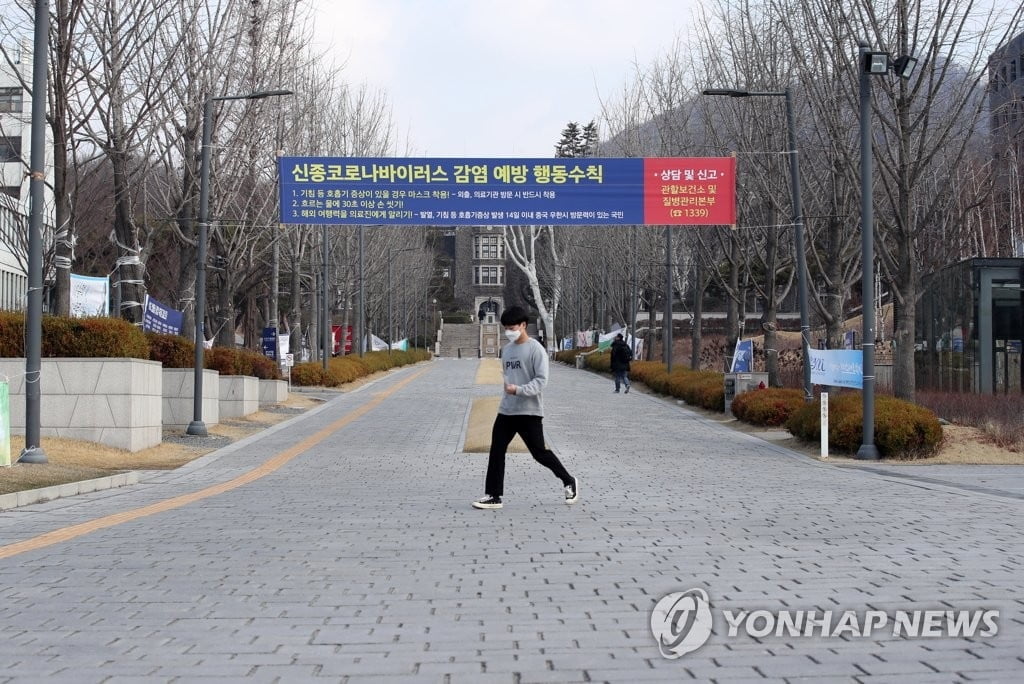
<point x="621" y="355"/>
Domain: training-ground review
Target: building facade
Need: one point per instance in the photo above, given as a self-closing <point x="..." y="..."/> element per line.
<point x="15" y="153"/>
<point x="480" y="272"/>
<point x="1006" y="105"/>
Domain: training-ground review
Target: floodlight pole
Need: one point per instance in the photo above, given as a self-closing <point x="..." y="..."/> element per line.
<point x="325" y="336"/>
<point x="867" y="451"/>
<point x="798" y="225"/>
<point x="668" y="299"/>
<point x="33" y="451"/>
<point x="197" y="427"/>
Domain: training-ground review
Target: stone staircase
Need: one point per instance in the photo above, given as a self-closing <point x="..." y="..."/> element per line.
<point x="460" y="340"/>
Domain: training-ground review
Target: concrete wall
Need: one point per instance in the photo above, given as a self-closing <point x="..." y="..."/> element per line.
<point x="178" y="406"/>
<point x="239" y="395"/>
<point x="116" y="402"/>
<point x="273" y="392"/>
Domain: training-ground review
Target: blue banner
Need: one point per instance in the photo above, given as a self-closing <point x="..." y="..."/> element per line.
<point x="482" y="191"/>
<point x="837" y="368"/>
<point x="160" y="318"/>
<point x="268" y="343"/>
<point x="743" y="358"/>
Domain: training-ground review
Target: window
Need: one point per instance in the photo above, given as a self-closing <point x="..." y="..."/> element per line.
<point x="488" y="275"/>
<point x="488" y="247"/>
<point x="10" y="149"/>
<point x="1013" y="70"/>
<point x="10" y="100"/>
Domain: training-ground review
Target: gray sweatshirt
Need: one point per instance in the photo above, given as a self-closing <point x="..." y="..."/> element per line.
<point x="525" y="366"/>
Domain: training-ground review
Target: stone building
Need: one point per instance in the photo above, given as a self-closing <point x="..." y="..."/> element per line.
<point x="480" y="271"/>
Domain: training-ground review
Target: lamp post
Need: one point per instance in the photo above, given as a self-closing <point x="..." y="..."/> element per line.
<point x="391" y="253"/>
<point x="870" y="64"/>
<point x="667" y="337"/>
<point x="325" y="324"/>
<point x="798" y="223"/>
<point x="197" y="427"/>
<point x="33" y="451"/>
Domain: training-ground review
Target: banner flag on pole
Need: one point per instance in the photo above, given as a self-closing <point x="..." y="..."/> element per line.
<point x="89" y="296"/>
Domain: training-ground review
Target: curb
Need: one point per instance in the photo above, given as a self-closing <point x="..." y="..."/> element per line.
<point x="32" y="496"/>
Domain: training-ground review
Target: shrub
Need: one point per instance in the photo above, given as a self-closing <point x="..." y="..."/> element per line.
<point x="173" y="351"/>
<point x="306" y="374"/>
<point x="343" y="369"/>
<point x="569" y="355"/>
<point x="600" y="361"/>
<point x="228" y="361"/>
<point x="771" y="406"/>
<point x="92" y="338"/>
<point x="902" y="430"/>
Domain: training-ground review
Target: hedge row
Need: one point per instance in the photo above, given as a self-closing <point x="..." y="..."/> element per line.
<point x="697" y="388"/>
<point x="343" y="369"/>
<point x="902" y="430"/>
<point x="117" y="338"/>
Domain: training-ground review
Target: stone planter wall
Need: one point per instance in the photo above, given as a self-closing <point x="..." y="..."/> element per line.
<point x="273" y="392"/>
<point x="109" y="401"/>
<point x="178" y="406"/>
<point x="239" y="396"/>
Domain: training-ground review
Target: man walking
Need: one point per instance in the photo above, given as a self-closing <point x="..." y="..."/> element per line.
<point x="525" y="372"/>
<point x="621" y="356"/>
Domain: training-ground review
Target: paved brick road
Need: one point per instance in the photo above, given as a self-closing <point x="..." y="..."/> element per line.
<point x="361" y="559"/>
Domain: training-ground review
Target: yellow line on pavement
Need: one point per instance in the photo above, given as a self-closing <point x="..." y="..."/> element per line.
<point x="268" y="467"/>
<point x="488" y="372"/>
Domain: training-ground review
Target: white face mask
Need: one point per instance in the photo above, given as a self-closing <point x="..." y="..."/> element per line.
<point x="512" y="335"/>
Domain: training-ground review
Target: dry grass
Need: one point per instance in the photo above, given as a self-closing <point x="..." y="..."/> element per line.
<point x="73" y="460"/>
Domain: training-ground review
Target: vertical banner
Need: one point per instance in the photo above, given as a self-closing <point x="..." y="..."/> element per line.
<point x="5" y="425"/>
<point x="268" y="343"/>
<point x="89" y="296"/>
<point x="743" y="356"/>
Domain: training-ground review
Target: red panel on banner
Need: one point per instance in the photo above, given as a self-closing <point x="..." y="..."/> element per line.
<point x="690" y="191"/>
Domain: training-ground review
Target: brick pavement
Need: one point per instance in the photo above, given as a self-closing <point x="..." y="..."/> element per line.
<point x="362" y="561"/>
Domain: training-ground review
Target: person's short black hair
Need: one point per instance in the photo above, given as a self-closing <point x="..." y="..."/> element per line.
<point x="619" y="336"/>
<point x="514" y="315"/>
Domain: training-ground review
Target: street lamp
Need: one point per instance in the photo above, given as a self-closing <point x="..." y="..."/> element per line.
<point x="33" y="451"/>
<point x="871" y="63"/>
<point x="798" y="223"/>
<point x="197" y="427"/>
<point x="391" y="253"/>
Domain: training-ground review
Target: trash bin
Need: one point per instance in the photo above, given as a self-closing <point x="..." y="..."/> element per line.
<point x="580" y="360"/>
<point x="738" y="383"/>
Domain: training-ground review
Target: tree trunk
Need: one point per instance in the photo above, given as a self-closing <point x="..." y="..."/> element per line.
<point x="903" y="358"/>
<point x="225" y="310"/>
<point x="129" y="275"/>
<point x="696" y="326"/>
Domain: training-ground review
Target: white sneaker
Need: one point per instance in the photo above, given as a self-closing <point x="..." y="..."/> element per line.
<point x="488" y="502"/>
<point x="572" y="492"/>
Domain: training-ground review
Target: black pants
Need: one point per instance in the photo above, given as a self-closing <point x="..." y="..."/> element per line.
<point x="530" y="429"/>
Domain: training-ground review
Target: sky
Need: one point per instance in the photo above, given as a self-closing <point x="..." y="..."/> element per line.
<point x="495" y="78"/>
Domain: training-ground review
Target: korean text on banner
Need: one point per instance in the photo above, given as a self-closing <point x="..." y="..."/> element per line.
<point x="508" y="192"/>
<point x="89" y="296"/>
<point x="837" y="367"/>
<point x="160" y="318"/>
